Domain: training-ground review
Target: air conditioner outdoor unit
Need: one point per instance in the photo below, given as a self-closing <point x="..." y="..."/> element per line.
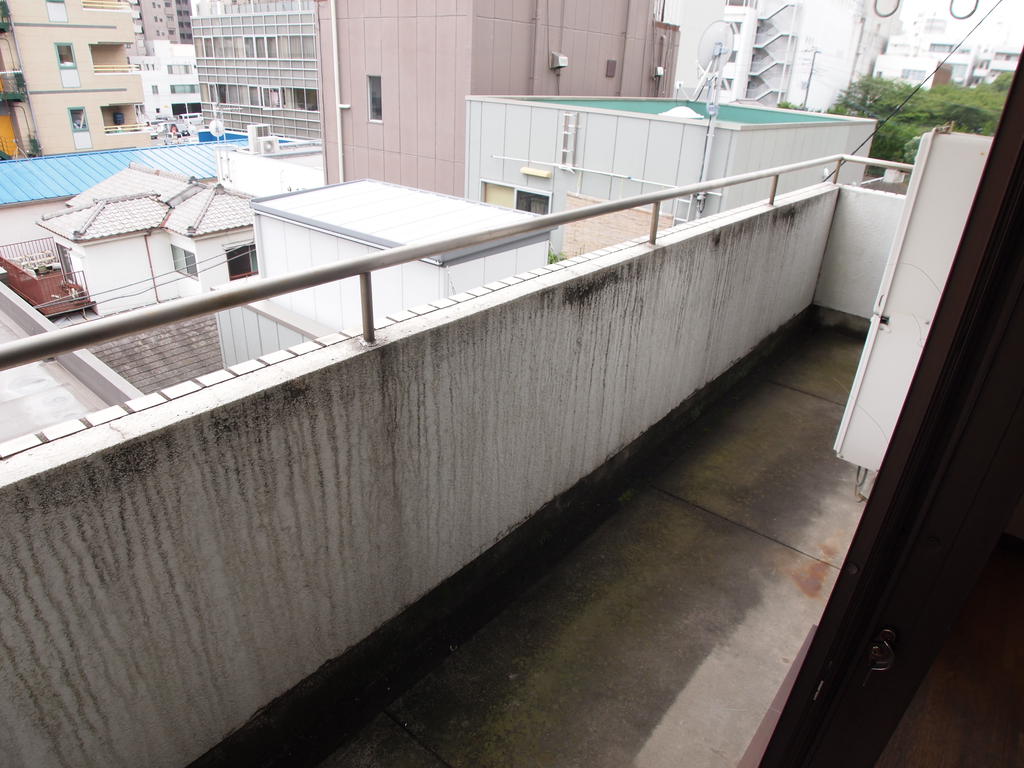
<point x="256" y="133"/>
<point x="266" y="145"/>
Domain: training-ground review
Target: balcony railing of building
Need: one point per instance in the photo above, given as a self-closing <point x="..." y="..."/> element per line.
<point x="87" y="334"/>
<point x="125" y="128"/>
<point x="5" y="16"/>
<point x="105" y="5"/>
<point x="12" y="86"/>
<point x="34" y="271"/>
<point x="115" y="69"/>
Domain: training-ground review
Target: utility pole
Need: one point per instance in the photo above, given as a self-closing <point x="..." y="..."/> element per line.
<point x="807" y="90"/>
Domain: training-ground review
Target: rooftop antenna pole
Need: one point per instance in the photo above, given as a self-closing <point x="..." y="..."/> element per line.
<point x="713" y="53"/>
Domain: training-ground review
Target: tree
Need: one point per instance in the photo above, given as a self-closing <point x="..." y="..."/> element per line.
<point x="969" y="110"/>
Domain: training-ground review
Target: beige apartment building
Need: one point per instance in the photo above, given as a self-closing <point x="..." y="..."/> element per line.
<point x="397" y="73"/>
<point x="67" y="85"/>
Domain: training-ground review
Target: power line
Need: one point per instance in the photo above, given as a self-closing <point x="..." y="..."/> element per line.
<point x="152" y="285"/>
<point x="926" y="79"/>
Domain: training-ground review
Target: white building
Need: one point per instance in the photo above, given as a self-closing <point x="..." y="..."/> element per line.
<point x="805" y="53"/>
<point x="306" y="229"/>
<point x="144" y="236"/>
<point x="291" y="166"/>
<point x="170" y="83"/>
<point x="928" y="38"/>
<point x="549" y="154"/>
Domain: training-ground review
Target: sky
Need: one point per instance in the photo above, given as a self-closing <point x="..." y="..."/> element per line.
<point x="1005" y="25"/>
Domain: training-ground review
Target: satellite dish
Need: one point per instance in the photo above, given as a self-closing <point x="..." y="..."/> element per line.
<point x="715" y="46"/>
<point x="216" y="127"/>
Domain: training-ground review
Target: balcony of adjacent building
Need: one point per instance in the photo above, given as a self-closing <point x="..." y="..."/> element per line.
<point x="5" y="16"/>
<point x="667" y="403"/>
<point x="40" y="272"/>
<point x="12" y="86"/>
<point x="123" y="120"/>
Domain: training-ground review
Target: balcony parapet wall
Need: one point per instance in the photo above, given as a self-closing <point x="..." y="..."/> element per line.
<point x="169" y="572"/>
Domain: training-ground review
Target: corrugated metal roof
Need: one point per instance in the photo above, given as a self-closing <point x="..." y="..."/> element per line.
<point x="50" y="176"/>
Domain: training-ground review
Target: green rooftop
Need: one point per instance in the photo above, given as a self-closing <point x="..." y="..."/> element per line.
<point x="726" y="112"/>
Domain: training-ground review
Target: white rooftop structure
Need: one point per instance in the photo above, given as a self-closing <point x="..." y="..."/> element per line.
<point x="387" y="215"/>
<point x="313" y="227"/>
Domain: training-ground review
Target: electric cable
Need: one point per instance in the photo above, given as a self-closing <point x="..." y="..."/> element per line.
<point x="920" y="85"/>
<point x="150" y="281"/>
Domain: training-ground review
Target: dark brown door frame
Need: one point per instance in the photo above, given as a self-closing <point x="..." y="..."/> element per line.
<point x="951" y="478"/>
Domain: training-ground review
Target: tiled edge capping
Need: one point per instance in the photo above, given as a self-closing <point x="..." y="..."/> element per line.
<point x="106" y="415"/>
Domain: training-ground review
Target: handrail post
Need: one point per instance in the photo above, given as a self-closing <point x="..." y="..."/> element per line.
<point x="774" y="189"/>
<point x="366" y="303"/>
<point x="839" y="164"/>
<point x="655" y="213"/>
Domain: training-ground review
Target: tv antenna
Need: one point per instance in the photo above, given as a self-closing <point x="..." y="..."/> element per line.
<point x="713" y="53"/>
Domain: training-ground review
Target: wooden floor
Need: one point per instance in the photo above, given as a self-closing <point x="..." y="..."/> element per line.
<point x="970" y="709"/>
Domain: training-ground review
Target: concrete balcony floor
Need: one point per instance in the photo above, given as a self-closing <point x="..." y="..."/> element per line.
<point x="662" y="638"/>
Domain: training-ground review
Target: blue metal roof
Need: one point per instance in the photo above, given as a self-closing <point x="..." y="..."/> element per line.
<point x="50" y="176"/>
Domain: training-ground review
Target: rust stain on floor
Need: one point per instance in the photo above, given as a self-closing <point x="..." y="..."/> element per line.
<point x="811" y="577"/>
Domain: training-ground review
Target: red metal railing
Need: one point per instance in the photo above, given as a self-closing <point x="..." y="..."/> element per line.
<point x="34" y="273"/>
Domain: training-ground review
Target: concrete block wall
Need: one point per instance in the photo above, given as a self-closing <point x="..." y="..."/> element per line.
<point x="170" y="568"/>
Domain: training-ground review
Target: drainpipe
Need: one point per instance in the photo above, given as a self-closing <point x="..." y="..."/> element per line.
<point x="338" y="106"/>
<point x="152" y="272"/>
<point x="533" y="65"/>
<point x="625" y="40"/>
<point x="31" y="112"/>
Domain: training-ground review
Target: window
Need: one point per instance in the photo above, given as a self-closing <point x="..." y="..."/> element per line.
<point x="271" y="47"/>
<point x="222" y="93"/>
<point x="261" y="48"/>
<point x="184" y="261"/>
<point x="242" y="261"/>
<point x="499" y="194"/>
<point x="940" y="47"/>
<point x="376" y="105"/>
<point x="79" y="128"/>
<point x="79" y="121"/>
<point x="56" y="10"/>
<point x="250" y="48"/>
<point x="67" y="65"/>
<point x="208" y="46"/>
<point x="179" y="69"/>
<point x="913" y="74"/>
<point x="271" y="98"/>
<point x="531" y="202"/>
<point x="156" y="89"/>
<point x="183" y="88"/>
<point x="301" y="98"/>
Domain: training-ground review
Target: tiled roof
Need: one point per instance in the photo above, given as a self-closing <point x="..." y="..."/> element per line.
<point x="107" y="218"/>
<point x="214" y="209"/>
<point x="56" y="176"/>
<point x="134" y="179"/>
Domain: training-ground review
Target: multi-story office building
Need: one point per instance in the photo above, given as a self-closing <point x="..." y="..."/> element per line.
<point x="67" y="84"/>
<point x="396" y="75"/>
<point x="257" y="63"/>
<point x="170" y="83"/>
<point x="167" y="20"/>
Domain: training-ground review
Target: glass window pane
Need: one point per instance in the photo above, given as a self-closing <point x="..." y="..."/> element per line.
<point x="272" y="47"/>
<point x="250" y="48"/>
<point x="376" y="104"/>
<point x="261" y="47"/>
<point x="65" y="55"/>
<point x="79" y="122"/>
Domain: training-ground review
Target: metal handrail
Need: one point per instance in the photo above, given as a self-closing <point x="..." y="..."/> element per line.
<point x="76" y="337"/>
